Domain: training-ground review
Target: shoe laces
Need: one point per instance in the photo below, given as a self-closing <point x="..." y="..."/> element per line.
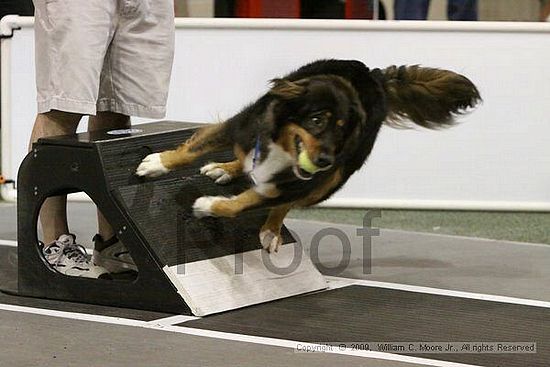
<point x="76" y="252"/>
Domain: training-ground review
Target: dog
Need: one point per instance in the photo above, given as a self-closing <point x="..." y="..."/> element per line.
<point x="303" y="139"/>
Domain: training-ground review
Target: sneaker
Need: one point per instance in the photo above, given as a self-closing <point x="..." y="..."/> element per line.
<point x="114" y="257"/>
<point x="69" y="258"/>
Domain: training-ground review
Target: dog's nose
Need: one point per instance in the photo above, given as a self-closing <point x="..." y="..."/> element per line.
<point x="324" y="160"/>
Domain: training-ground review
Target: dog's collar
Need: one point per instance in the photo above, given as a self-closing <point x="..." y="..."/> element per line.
<point x="256" y="155"/>
<point x="255" y="158"/>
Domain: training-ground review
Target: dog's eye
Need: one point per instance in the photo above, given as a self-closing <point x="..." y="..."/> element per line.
<point x="317" y="121"/>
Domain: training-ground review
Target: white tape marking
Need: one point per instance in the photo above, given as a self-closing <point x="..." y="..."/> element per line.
<point x="336" y="282"/>
<point x="154" y="325"/>
<point x="172" y="320"/>
<point x="8" y="243"/>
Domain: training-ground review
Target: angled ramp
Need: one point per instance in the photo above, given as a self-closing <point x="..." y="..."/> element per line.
<point x="186" y="265"/>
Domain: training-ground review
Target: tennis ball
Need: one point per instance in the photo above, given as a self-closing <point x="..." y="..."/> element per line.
<point x="305" y="163"/>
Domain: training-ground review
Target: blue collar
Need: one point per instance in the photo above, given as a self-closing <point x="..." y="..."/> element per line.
<point x="255" y="158"/>
<point x="256" y="152"/>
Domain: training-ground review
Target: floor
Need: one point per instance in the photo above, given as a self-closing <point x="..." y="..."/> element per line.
<point x="496" y="275"/>
<point x="529" y="227"/>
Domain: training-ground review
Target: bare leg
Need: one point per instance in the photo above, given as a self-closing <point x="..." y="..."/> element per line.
<point x="107" y="120"/>
<point x="53" y="214"/>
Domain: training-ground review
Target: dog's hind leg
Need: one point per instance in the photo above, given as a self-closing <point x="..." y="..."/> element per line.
<point x="270" y="234"/>
<point x="208" y="139"/>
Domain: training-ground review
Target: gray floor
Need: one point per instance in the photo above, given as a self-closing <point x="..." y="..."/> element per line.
<point x="474" y="265"/>
<point x="35" y="340"/>
<point x="368" y="313"/>
<point x="8" y="222"/>
<point x="458" y="263"/>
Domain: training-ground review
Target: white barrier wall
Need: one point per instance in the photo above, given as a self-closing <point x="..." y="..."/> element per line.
<point x="497" y="159"/>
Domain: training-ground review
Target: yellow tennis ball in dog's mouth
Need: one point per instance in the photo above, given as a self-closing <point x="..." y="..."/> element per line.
<point x="305" y="163"/>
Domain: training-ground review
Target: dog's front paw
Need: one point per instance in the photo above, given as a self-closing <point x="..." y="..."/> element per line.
<point x="270" y="240"/>
<point x="216" y="173"/>
<point x="203" y="206"/>
<point x="151" y="166"/>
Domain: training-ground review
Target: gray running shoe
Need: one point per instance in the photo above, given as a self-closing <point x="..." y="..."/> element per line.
<point x="69" y="258"/>
<point x="114" y="257"/>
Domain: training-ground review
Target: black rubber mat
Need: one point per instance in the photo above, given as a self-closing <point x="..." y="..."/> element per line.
<point x="8" y="287"/>
<point x="151" y="216"/>
<point x="162" y="210"/>
<point x="364" y="314"/>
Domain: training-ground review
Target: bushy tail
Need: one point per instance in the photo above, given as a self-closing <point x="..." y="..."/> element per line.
<point x="428" y="97"/>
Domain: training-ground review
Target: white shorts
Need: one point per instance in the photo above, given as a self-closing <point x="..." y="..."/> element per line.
<point x="104" y="55"/>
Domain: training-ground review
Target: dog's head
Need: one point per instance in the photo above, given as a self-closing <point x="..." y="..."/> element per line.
<point x="315" y="118"/>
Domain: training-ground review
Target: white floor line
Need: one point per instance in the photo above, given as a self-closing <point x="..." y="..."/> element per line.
<point x="227" y="336"/>
<point x="172" y="320"/>
<point x="295" y="345"/>
<point x="337" y="282"/>
<point x="8" y="243"/>
<point x="73" y="315"/>
<point x="463" y="237"/>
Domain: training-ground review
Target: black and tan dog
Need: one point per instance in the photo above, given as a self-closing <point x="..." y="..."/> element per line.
<point x="302" y="140"/>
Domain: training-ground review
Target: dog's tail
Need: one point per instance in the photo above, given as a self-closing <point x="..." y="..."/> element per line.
<point x="428" y="97"/>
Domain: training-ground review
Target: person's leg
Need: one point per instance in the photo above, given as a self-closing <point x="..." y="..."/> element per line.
<point x="53" y="214"/>
<point x="138" y="66"/>
<point x="70" y="52"/>
<point x="106" y="120"/>
<point x="411" y="9"/>
<point x="134" y="82"/>
<point x="462" y="10"/>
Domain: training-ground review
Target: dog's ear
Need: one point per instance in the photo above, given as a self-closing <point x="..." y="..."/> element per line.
<point x="358" y="119"/>
<point x="356" y="113"/>
<point x="286" y="89"/>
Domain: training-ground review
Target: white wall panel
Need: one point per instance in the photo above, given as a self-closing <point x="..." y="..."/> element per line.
<point x="498" y="158"/>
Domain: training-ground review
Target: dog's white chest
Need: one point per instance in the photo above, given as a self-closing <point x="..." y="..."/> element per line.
<point x="263" y="171"/>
